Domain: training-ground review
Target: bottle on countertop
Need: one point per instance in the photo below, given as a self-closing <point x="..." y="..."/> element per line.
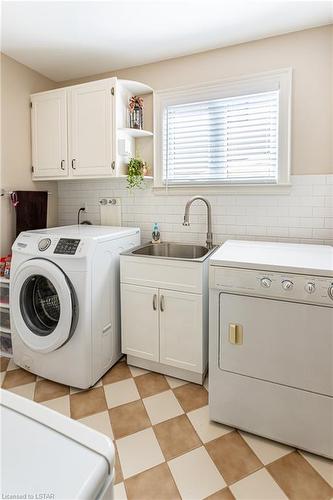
<point x="156" y="235"/>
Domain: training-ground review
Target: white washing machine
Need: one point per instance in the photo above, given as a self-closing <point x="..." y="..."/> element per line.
<point x="64" y="299"/>
<point x="271" y="341"/>
<point x="47" y="455"/>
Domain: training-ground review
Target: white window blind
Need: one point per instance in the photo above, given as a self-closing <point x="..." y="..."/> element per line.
<point x="229" y="140"/>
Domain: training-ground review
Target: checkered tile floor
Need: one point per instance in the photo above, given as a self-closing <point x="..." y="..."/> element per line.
<point x="166" y="446"/>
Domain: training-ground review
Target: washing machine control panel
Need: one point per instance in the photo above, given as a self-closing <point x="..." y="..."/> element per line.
<point x="66" y="246"/>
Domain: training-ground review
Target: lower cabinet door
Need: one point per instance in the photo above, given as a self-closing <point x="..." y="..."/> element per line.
<point x="139" y="321"/>
<point x="181" y="329"/>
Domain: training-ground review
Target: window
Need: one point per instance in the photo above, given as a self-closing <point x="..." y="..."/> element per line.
<point x="229" y="140"/>
<point x="227" y="133"/>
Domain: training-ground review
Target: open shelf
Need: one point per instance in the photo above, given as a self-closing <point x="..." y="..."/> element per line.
<point x="136" y="132"/>
<point x="145" y="177"/>
<point x="3" y="329"/>
<point x="5" y="354"/>
<point x="136" y="88"/>
<point x="5" y="333"/>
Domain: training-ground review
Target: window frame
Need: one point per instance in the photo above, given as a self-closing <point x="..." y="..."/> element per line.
<point x="259" y="82"/>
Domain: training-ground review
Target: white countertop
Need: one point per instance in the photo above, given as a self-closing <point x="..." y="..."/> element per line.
<point x="292" y="257"/>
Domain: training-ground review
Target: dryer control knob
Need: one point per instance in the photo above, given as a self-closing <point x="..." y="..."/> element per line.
<point x="265" y="282"/>
<point x="310" y="287"/>
<point x="287" y="285"/>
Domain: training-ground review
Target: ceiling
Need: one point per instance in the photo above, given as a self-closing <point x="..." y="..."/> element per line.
<point x="72" y="39"/>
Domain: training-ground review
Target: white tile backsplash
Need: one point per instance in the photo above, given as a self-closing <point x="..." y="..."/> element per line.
<point x="304" y="215"/>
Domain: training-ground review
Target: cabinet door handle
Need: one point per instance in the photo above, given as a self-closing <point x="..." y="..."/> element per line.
<point x="74" y="164"/>
<point x="162" y="303"/>
<point x="62" y="164"/>
<point x="155" y="302"/>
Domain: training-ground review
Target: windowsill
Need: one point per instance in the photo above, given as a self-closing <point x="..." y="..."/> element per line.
<point x="230" y="189"/>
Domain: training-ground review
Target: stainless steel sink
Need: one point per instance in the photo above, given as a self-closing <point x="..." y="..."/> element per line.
<point x="172" y="251"/>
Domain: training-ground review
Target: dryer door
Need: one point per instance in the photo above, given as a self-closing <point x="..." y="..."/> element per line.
<point x="43" y="305"/>
<point x="287" y="343"/>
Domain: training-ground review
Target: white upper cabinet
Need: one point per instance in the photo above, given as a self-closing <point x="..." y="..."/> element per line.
<point x="82" y="131"/>
<point x="49" y="134"/>
<point x="91" y="129"/>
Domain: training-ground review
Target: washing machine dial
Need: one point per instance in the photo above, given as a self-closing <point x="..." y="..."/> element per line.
<point x="310" y="287"/>
<point x="330" y="291"/>
<point x="287" y="285"/>
<point x="44" y="244"/>
<point x="265" y="282"/>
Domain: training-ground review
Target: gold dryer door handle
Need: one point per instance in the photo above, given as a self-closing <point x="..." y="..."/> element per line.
<point x="235" y="334"/>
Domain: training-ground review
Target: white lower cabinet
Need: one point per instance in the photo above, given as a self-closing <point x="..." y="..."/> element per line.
<point x="140" y="328"/>
<point x="164" y="330"/>
<point x="181" y="329"/>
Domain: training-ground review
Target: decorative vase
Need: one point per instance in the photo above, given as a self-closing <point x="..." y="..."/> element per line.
<point x="136" y="117"/>
<point x="135" y="107"/>
<point x="145" y="169"/>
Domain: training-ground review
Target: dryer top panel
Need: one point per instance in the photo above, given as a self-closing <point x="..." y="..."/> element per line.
<point x="292" y="257"/>
<point x="84" y="231"/>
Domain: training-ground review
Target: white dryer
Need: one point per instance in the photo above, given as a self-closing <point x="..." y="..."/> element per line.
<point x="64" y="299"/>
<point x="271" y="341"/>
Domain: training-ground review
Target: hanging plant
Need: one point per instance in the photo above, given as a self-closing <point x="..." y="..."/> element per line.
<point x="136" y="172"/>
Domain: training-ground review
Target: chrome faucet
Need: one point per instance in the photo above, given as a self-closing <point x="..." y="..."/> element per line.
<point x="209" y="241"/>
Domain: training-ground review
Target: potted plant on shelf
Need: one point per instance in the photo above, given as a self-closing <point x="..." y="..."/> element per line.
<point x="137" y="169"/>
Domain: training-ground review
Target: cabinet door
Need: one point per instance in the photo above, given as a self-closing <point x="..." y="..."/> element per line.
<point x="139" y="320"/>
<point x="49" y="134"/>
<point x="181" y="335"/>
<point x="92" y="129"/>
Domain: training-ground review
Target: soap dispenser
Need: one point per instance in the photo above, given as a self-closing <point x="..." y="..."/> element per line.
<point x="155" y="235"/>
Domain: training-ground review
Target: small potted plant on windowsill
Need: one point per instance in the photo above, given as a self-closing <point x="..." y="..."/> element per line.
<point x="137" y="169"/>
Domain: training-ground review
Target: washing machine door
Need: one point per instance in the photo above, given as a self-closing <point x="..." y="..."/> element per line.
<point x="43" y="305"/>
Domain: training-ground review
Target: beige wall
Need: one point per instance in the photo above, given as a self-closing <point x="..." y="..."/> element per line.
<point x="309" y="53"/>
<point x="17" y="83"/>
